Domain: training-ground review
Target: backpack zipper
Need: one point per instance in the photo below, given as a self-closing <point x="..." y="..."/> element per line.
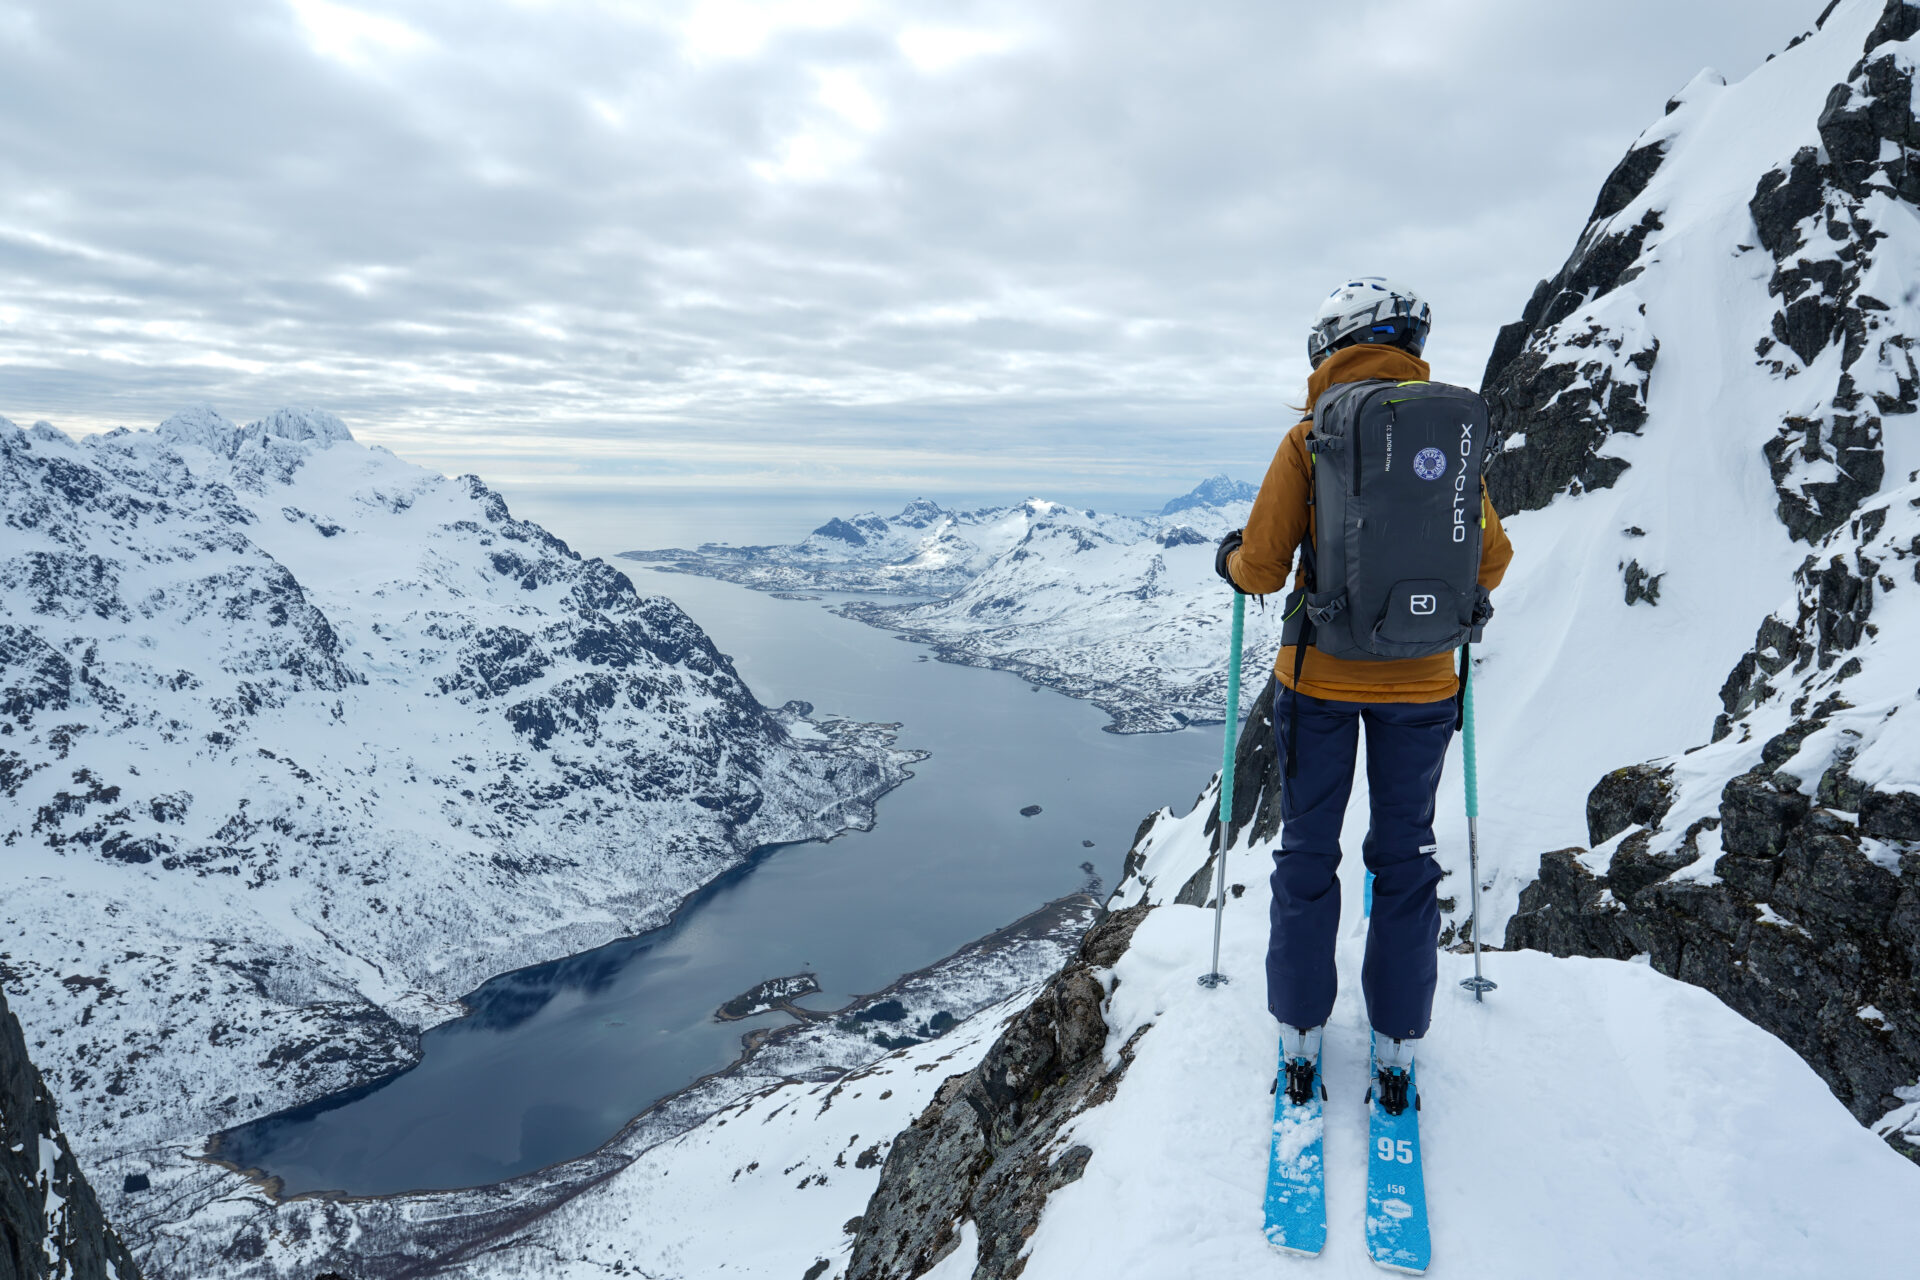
<point x="1354" y="434"/>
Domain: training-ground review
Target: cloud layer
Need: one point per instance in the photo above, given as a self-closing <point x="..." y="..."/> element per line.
<point x="807" y="244"/>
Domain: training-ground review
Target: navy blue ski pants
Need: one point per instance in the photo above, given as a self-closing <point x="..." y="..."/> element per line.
<point x="1406" y="749"/>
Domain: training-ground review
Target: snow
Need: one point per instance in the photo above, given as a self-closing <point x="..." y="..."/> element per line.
<point x="303" y="742"/>
<point x="1773" y="919"/>
<point x="1591" y="1118"/>
<point x="1123" y="611"/>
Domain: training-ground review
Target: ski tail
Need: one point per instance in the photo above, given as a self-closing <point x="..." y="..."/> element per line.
<point x="1398" y="1234"/>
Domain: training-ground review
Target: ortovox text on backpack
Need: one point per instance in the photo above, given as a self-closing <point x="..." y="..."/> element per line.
<point x="1393" y="559"/>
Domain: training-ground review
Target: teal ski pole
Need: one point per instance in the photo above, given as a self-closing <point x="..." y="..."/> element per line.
<point x="1213" y="977"/>
<point x="1476" y="984"/>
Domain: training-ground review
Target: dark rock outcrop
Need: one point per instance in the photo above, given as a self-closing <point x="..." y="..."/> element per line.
<point x="987" y="1148"/>
<point x="1812" y="218"/>
<point x="1638" y="795"/>
<point x="50" y="1222"/>
<point x="1798" y="928"/>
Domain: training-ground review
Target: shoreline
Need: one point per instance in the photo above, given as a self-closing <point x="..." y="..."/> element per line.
<point x="1124" y="717"/>
<point x="270" y="1184"/>
<point x="1048" y="919"/>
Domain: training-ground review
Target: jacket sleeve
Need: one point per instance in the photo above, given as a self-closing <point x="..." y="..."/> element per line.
<point x="1496" y="551"/>
<point x="1278" y="521"/>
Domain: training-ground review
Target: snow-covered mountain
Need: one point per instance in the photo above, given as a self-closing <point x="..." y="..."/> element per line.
<point x="1124" y="611"/>
<point x="1698" y="770"/>
<point x="1721" y="382"/>
<point x="1132" y="619"/>
<point x="301" y="742"/>
<point x="1215" y="491"/>
<point x="923" y="550"/>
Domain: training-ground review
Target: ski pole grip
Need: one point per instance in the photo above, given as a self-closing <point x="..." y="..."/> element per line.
<point x="1466" y="744"/>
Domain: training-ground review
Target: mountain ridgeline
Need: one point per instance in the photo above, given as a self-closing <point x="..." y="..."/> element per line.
<point x="1779" y="870"/>
<point x="300" y="743"/>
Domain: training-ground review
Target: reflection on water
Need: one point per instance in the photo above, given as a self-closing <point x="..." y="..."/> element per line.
<point x="556" y="1058"/>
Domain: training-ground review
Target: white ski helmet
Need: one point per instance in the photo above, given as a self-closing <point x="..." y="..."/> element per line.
<point x="1369" y="309"/>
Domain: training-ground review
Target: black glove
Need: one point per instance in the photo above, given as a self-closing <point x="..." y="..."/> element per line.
<point x="1228" y="545"/>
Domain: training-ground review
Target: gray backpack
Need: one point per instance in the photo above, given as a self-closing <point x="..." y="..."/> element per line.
<point x="1393" y="560"/>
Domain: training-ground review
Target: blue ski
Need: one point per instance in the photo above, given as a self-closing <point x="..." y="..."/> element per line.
<point x="1397" y="1235"/>
<point x="1296" y="1172"/>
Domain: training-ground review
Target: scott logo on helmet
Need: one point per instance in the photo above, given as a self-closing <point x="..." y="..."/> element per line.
<point x="1460" y="483"/>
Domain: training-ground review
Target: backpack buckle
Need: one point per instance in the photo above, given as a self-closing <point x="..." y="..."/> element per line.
<point x="1323" y="614"/>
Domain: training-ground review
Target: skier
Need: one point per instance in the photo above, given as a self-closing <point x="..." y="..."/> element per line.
<point x="1368" y="329"/>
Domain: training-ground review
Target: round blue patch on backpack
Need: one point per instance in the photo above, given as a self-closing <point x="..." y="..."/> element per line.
<point x="1429" y="464"/>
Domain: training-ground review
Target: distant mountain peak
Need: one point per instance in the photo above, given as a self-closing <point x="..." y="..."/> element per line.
<point x="316" y="425"/>
<point x="838" y="528"/>
<point x="1215" y="491"/>
<point x="204" y="427"/>
<point x="920" y="511"/>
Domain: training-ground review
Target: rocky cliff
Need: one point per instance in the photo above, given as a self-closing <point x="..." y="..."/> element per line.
<point x="1776" y="863"/>
<point x="50" y="1220"/>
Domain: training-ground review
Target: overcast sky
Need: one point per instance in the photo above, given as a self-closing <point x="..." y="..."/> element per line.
<point x="1045" y="246"/>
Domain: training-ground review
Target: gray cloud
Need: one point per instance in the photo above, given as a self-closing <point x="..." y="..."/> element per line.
<point x="736" y="243"/>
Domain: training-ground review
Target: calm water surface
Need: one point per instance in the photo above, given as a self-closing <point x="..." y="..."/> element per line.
<point x="555" y="1059"/>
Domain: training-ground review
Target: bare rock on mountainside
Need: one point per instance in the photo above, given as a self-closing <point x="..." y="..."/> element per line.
<point x="984" y="1149"/>
<point x="320" y="740"/>
<point x="1779" y="865"/>
<point x="50" y="1221"/>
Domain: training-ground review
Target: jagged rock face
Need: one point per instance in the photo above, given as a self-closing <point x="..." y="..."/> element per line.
<point x="1775" y="865"/>
<point x="320" y="740"/>
<point x="1573" y="370"/>
<point x="50" y="1221"/>
<point x="987" y="1149"/>
<point x="1808" y="924"/>
<point x="1794" y="895"/>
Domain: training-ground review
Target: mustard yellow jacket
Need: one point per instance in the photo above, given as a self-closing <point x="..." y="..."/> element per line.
<point x="1280" y="522"/>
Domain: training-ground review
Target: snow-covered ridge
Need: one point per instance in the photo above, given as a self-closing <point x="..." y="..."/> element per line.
<point x="300" y="742"/>
<point x="924" y="549"/>
<point x="1120" y="1125"/>
<point x="1717" y="393"/>
<point x="1124" y="611"/>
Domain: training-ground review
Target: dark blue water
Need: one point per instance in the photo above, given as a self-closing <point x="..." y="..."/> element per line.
<point x="555" y="1059"/>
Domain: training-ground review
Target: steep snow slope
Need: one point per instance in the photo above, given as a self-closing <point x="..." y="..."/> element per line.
<point x="300" y="742"/>
<point x="1748" y="279"/>
<point x="1592" y="1119"/>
